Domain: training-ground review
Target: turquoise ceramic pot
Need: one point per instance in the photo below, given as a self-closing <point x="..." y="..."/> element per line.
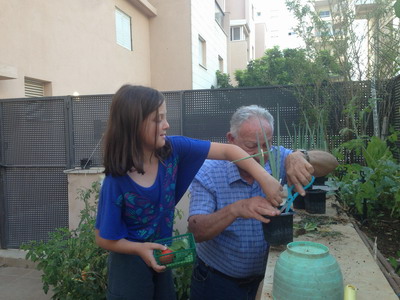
<point x="306" y="270"/>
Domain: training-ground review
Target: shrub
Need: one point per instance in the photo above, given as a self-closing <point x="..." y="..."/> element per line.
<point x="75" y="267"/>
<point x="71" y="261"/>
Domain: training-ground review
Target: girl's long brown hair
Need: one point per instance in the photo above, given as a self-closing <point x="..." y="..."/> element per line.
<point x="130" y="106"/>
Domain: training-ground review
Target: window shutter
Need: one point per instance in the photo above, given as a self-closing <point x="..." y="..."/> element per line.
<point x="34" y="88"/>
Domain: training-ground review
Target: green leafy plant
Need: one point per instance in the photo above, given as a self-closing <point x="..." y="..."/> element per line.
<point x="223" y="80"/>
<point x="372" y="187"/>
<point x="309" y="136"/>
<point x="182" y="275"/>
<point x="395" y="262"/>
<point x="72" y="264"/>
<point x="74" y="267"/>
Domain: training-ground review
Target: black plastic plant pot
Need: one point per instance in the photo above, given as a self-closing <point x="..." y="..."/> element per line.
<point x="86" y="163"/>
<point x="320" y="180"/>
<point x="279" y="231"/>
<point x="315" y="201"/>
<point x="299" y="203"/>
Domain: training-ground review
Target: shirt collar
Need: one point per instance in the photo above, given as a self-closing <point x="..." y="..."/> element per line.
<point x="233" y="174"/>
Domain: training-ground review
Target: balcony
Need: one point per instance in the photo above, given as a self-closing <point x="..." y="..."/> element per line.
<point x="364" y="8"/>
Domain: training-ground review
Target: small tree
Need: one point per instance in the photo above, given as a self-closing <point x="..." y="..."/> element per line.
<point x="223" y="80"/>
<point x="363" y="43"/>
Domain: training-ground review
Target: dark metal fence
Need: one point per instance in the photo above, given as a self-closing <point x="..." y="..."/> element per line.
<point x="42" y="137"/>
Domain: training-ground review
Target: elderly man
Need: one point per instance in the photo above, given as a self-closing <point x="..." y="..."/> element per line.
<point x="227" y="205"/>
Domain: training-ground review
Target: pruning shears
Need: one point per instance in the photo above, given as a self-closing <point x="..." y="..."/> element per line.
<point x="290" y="197"/>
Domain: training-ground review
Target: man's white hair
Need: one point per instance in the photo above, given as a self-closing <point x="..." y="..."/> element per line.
<point x="245" y="113"/>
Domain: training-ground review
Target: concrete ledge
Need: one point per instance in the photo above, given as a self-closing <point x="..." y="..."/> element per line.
<point x="8" y="72"/>
<point x="15" y="258"/>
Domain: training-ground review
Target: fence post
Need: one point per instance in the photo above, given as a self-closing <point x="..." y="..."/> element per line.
<point x="69" y="133"/>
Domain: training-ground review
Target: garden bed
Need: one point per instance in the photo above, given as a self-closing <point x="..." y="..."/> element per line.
<point x="339" y="232"/>
<point x="386" y="230"/>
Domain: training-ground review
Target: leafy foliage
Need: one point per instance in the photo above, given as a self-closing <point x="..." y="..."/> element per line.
<point x="372" y="187"/>
<point x="182" y="275"/>
<point x="363" y="45"/>
<point x="75" y="267"/>
<point x="223" y="80"/>
<point x="395" y="262"/>
<point x="290" y="66"/>
<point x="71" y="261"/>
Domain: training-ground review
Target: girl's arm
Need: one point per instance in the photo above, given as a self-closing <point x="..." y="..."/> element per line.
<point x="270" y="185"/>
<point x="144" y="250"/>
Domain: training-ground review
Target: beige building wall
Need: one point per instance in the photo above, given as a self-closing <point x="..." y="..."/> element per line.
<point x="261" y="39"/>
<point x="242" y="13"/>
<point x="71" y="44"/>
<point x="171" y="55"/>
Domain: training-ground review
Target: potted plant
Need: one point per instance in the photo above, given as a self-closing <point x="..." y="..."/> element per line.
<point x="279" y="230"/>
<point x="306" y="136"/>
<point x="315" y="201"/>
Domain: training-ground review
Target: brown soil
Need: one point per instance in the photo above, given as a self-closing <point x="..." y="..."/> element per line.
<point x="386" y="230"/>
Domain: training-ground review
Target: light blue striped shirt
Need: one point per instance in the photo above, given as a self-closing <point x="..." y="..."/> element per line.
<point x="240" y="250"/>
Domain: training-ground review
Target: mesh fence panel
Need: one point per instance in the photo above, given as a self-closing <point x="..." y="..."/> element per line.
<point x="37" y="203"/>
<point x="207" y="113"/>
<point x="90" y="114"/>
<point x="33" y="132"/>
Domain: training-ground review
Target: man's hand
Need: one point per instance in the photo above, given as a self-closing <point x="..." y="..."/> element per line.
<point x="298" y="170"/>
<point x="255" y="207"/>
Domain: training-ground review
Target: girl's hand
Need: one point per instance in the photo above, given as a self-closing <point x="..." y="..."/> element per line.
<point x="146" y="253"/>
<point x="272" y="189"/>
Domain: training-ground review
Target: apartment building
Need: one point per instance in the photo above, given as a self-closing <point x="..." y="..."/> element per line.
<point x="189" y="43"/>
<point x="74" y="47"/>
<point x="280" y="27"/>
<point x="247" y="34"/>
<point x="369" y="33"/>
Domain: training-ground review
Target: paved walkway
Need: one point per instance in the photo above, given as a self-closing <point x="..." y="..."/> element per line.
<point x="19" y="280"/>
<point x="18" y="283"/>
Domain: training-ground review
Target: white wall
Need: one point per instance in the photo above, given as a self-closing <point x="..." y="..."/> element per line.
<point x="204" y="24"/>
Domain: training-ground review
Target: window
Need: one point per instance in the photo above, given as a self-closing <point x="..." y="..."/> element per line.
<point x="123" y="29"/>
<point x="219" y="15"/>
<point x="324" y="14"/>
<point x="34" y="88"/>
<point x="236" y="33"/>
<point x="202" y="52"/>
<point x="221" y="64"/>
<point x="326" y="30"/>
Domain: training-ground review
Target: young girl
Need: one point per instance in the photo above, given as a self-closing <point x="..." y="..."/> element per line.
<point x="146" y="175"/>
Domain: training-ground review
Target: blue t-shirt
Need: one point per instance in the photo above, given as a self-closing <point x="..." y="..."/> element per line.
<point x="240" y="250"/>
<point x="129" y="211"/>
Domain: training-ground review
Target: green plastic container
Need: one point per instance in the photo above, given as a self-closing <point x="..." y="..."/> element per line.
<point x="306" y="270"/>
<point x="184" y="255"/>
